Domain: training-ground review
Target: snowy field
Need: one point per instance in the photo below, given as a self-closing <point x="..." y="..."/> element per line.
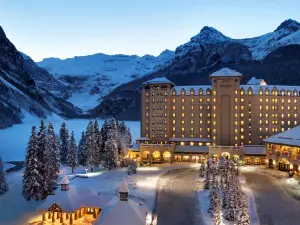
<point x="13" y="140"/>
<point x="15" y="210"/>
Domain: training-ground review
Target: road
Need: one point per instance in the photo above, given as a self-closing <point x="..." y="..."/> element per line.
<point x="177" y="203"/>
<point x="274" y="205"/>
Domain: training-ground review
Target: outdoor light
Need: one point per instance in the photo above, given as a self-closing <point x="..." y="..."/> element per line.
<point x="291" y="166"/>
<point x="148" y="218"/>
<point x="86" y="169"/>
<point x="274" y="162"/>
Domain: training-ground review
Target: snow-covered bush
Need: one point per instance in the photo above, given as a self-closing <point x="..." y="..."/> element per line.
<point x="132" y="167"/>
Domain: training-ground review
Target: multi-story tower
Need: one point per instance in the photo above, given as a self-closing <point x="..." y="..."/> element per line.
<point x="226" y="107"/>
<point x="155" y="124"/>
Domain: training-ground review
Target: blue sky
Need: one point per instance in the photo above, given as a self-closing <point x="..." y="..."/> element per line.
<point x="66" y="28"/>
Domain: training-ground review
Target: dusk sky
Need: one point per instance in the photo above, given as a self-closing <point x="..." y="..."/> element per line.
<point x="68" y="28"/>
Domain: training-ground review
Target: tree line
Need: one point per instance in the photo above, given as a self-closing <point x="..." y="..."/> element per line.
<point x="46" y="151"/>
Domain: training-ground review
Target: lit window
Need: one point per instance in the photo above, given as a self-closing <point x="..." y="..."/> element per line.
<point x="242" y="92"/>
<point x="174" y="129"/>
<point x="182" y="107"/>
<point x="182" y="121"/>
<point x="242" y="137"/>
<point x="242" y="107"/>
<point x="242" y="100"/>
<point x="267" y="100"/>
<point x="236" y="92"/>
<point x="289" y="100"/>
<point x="260" y="100"/>
<point x="242" y="114"/>
<point x="236" y="138"/>
<point x="192" y="121"/>
<point x="235" y="131"/>
<point x="174" y="122"/>
<point x="192" y="107"/>
<point x="174" y="108"/>
<point x="191" y="143"/>
<point x="242" y="122"/>
<point x="242" y="129"/>
<point x="236" y="99"/>
<point x="182" y="114"/>
<point x="182" y="100"/>
<point x="193" y="100"/>
<point x="214" y="92"/>
<point x="260" y="107"/>
<point x="174" y="114"/>
<point x="235" y="115"/>
<point x="267" y="107"/>
<point x="182" y="129"/>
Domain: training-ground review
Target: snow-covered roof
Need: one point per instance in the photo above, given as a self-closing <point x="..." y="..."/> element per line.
<point x="65" y="180"/>
<point x="143" y="139"/>
<point x="188" y="89"/>
<point x="255" y="81"/>
<point x="290" y="137"/>
<point x="124" y="187"/>
<point x="264" y="88"/>
<point x="123" y="212"/>
<point x="191" y="149"/>
<point x="226" y="72"/>
<point x="159" y="80"/>
<point x="191" y="139"/>
<point x="254" y="150"/>
<point x="74" y="198"/>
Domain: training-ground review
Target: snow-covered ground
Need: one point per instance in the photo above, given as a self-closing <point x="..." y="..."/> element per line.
<point x="7" y="166"/>
<point x="15" y="210"/>
<point x="14" y="139"/>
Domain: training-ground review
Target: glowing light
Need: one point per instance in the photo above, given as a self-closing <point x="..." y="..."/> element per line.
<point x="148" y="169"/>
<point x="291" y="166"/>
<point x="274" y="162"/>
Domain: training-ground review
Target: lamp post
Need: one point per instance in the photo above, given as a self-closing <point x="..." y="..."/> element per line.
<point x="86" y="169"/>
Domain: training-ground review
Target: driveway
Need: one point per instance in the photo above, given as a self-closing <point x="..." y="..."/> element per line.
<point x="274" y="205"/>
<point x="177" y="202"/>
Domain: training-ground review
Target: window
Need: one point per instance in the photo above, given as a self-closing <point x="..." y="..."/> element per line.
<point x="182" y="107"/>
<point x="174" y="108"/>
<point x="182" y="129"/>
<point x="182" y="121"/>
<point x="182" y="114"/>
<point x="174" y="121"/>
<point x="182" y="100"/>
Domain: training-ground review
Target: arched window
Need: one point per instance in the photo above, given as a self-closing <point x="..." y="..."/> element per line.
<point x="174" y="92"/>
<point x="250" y="91"/>
<point x="192" y="91"/>
<point x="182" y="92"/>
<point x="200" y="91"/>
<point x="208" y="91"/>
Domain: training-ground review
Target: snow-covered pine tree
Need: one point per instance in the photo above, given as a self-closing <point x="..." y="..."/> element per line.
<point x="72" y="153"/>
<point x="111" y="148"/>
<point x="33" y="180"/>
<point x="81" y="150"/>
<point x="243" y="216"/>
<point x="132" y="167"/>
<point x="207" y="182"/>
<point x="3" y="182"/>
<point x="41" y="160"/>
<point x="52" y="162"/>
<point x="128" y="137"/>
<point x="98" y="144"/>
<point x="65" y="142"/>
<point x="216" y="212"/>
<point x="89" y="146"/>
<point x="104" y="130"/>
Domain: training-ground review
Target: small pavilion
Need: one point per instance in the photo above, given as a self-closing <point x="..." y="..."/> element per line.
<point x="70" y="203"/>
<point x="121" y="210"/>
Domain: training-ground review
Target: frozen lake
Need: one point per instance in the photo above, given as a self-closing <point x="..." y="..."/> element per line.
<point x="13" y="140"/>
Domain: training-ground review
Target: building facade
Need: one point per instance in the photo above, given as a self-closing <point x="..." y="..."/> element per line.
<point x="225" y="113"/>
<point x="283" y="150"/>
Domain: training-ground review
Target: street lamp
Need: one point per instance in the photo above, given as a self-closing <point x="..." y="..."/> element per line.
<point x="86" y="169"/>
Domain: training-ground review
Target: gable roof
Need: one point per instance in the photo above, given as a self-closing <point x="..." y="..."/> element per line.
<point x="159" y="80"/>
<point x="255" y="81"/>
<point x="226" y="72"/>
<point x="121" y="212"/>
<point x="124" y="187"/>
<point x="290" y="137"/>
<point x="65" y="180"/>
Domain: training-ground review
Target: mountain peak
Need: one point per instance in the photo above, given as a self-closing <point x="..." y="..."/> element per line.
<point x="289" y="24"/>
<point x="209" y="35"/>
<point x="2" y="34"/>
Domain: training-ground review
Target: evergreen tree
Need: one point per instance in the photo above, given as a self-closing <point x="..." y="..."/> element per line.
<point x="89" y="146"/>
<point x="81" y="150"/>
<point x="72" y="153"/>
<point x="132" y="167"/>
<point x="128" y="137"/>
<point x="111" y="150"/>
<point x="104" y="130"/>
<point x="65" y="143"/>
<point x="3" y="183"/>
<point x="33" y="183"/>
<point x="52" y="159"/>
<point x="98" y="144"/>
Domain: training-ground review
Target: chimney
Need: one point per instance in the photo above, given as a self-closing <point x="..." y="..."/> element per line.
<point x="64" y="183"/>
<point x="124" y="191"/>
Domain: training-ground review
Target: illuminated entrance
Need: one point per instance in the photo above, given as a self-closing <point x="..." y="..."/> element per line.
<point x="167" y="156"/>
<point x="156" y="156"/>
<point x="225" y="155"/>
<point x="284" y="164"/>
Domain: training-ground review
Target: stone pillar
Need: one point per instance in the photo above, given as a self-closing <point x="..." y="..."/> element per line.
<point x="71" y="218"/>
<point x="75" y="215"/>
<point x="53" y="217"/>
<point x="67" y="216"/>
<point x="49" y="215"/>
<point x="61" y="218"/>
<point x="44" y="216"/>
<point x="58" y="215"/>
<point x="94" y="213"/>
<point x="80" y="213"/>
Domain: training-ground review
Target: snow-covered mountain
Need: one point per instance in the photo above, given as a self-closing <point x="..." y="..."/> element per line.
<point x="275" y="57"/>
<point x="94" y="76"/>
<point x="24" y="87"/>
<point x="287" y="33"/>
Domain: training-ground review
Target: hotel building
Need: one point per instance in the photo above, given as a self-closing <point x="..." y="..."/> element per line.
<point x="225" y="117"/>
